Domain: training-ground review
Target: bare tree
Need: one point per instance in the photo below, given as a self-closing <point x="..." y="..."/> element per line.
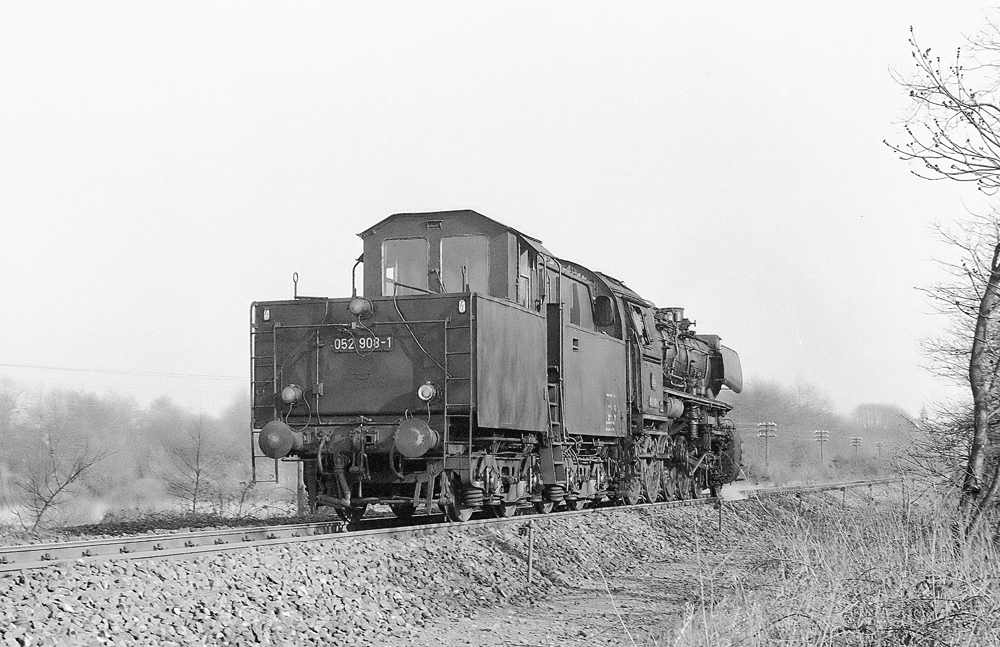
<point x="878" y="419"/>
<point x="970" y="299"/>
<point x="940" y="453"/>
<point x="954" y="128"/>
<point x="10" y="397"/>
<point x="884" y="423"/>
<point x="798" y="411"/>
<point x="765" y="401"/>
<point x="954" y="133"/>
<point x="197" y="466"/>
<point x="56" y="462"/>
<point x="52" y="481"/>
<point x="10" y="402"/>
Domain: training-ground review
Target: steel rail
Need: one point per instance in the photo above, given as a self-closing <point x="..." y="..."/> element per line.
<point x="37" y="556"/>
<point x="134" y="546"/>
<point x="818" y="487"/>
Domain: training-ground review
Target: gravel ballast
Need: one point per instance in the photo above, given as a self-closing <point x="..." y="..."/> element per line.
<point x="346" y="592"/>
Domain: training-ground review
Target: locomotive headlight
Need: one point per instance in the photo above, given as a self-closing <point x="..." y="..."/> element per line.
<point x="427" y="392"/>
<point x="360" y="307"/>
<point x="291" y="393"/>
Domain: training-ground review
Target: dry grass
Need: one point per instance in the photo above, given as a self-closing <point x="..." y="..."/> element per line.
<point x="861" y="575"/>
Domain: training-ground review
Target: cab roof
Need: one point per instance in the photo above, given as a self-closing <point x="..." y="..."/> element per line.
<point x="460" y="214"/>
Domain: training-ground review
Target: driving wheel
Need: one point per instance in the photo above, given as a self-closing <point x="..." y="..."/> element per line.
<point x="650" y="469"/>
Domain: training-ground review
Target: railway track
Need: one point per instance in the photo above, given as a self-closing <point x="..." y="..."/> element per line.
<point x="190" y="544"/>
<point x="802" y="489"/>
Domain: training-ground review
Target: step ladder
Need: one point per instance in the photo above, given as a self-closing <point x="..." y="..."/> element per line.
<point x="263" y="469"/>
<point x="556" y="427"/>
<point x="458" y="367"/>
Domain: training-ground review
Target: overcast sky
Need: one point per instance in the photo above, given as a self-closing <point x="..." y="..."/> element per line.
<point x="162" y="165"/>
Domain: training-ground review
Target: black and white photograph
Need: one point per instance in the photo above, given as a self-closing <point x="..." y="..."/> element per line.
<point x="534" y="324"/>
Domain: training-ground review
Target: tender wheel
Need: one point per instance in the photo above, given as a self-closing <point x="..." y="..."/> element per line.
<point x="463" y="501"/>
<point x="402" y="511"/>
<point x="352" y="514"/>
<point x="458" y="513"/>
<point x="554" y="495"/>
<point x="503" y="510"/>
<point x="544" y="507"/>
<point x="575" y="504"/>
<point x="574" y="480"/>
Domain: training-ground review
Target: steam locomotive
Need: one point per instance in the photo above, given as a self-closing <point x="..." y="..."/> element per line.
<point x="478" y="371"/>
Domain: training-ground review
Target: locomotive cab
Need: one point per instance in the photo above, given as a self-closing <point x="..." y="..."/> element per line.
<point x="451" y="252"/>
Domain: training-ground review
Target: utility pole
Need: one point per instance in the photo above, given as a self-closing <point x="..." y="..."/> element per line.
<point x="856" y="443"/>
<point x="766" y="430"/>
<point x="822" y="436"/>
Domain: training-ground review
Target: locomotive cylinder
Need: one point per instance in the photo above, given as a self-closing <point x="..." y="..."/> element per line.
<point x="673" y="408"/>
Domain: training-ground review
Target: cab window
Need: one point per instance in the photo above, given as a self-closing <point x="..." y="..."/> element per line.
<point x="404" y="266"/>
<point x="464" y="264"/>
<point x="640" y="327"/>
<point x="576" y="301"/>
<point x="523" y="276"/>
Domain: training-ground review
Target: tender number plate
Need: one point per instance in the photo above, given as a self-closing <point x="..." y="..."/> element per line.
<point x="362" y="344"/>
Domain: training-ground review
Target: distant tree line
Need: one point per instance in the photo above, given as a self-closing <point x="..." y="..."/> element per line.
<point x="75" y="457"/>
<point x="72" y="456"/>
<point x="867" y="442"/>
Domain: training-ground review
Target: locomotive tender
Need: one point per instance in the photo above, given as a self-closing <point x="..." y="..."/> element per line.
<point x="480" y="371"/>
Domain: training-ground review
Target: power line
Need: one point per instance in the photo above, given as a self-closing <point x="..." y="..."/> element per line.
<point x="112" y="372"/>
